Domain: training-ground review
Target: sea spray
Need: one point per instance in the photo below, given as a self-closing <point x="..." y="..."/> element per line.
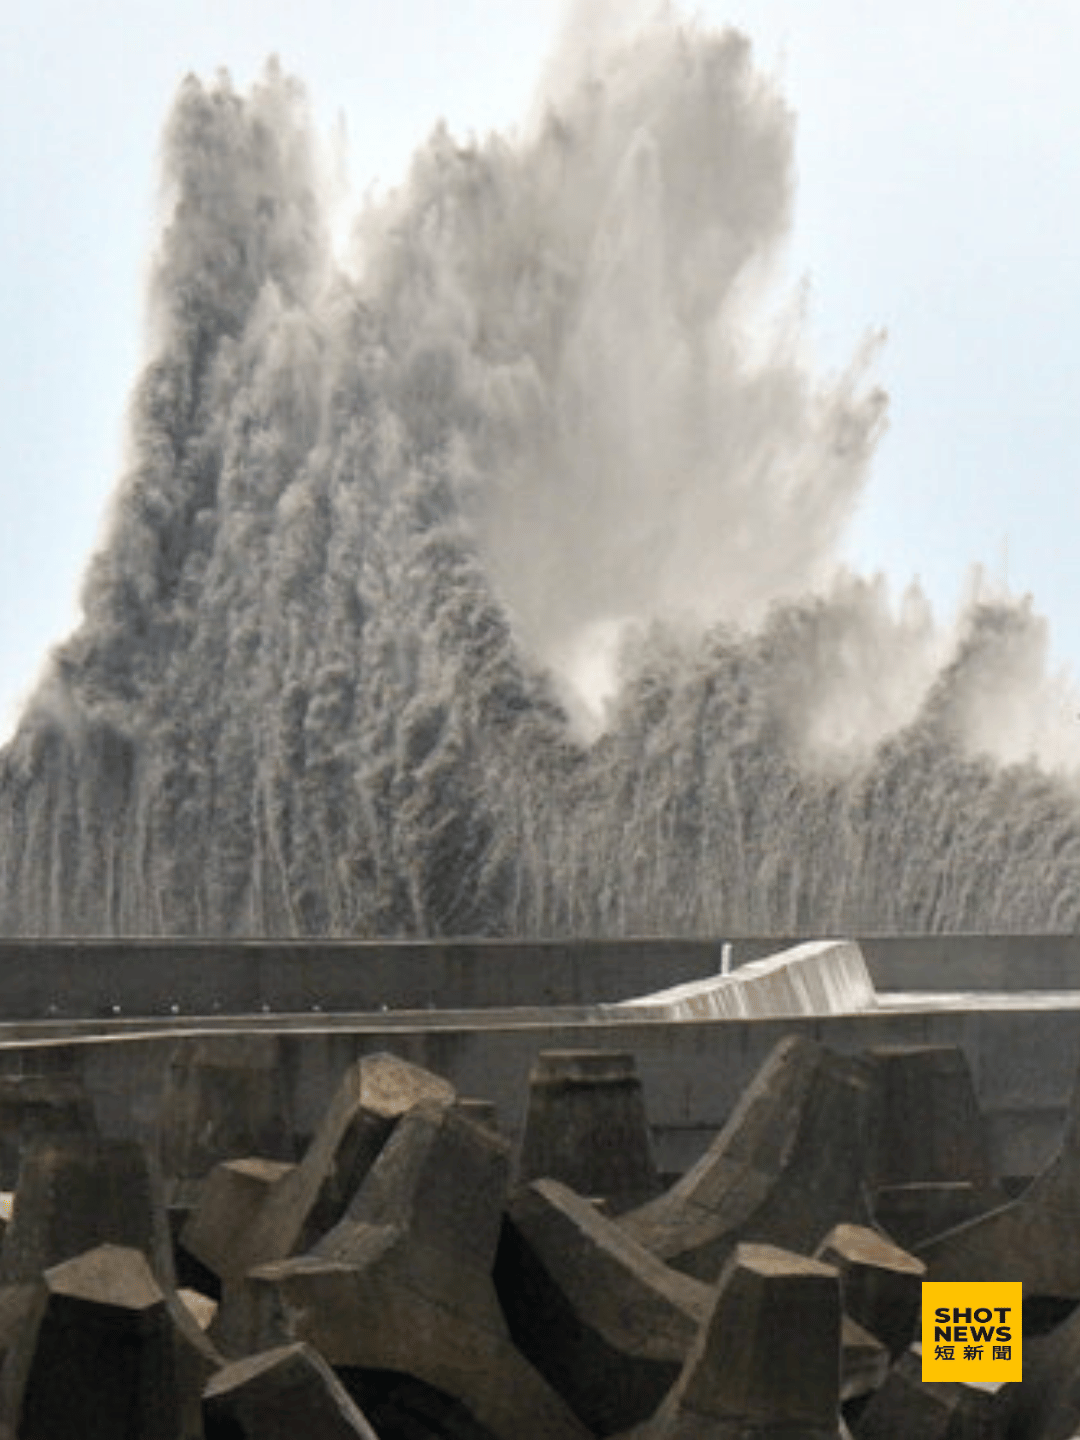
<point x="484" y="579"/>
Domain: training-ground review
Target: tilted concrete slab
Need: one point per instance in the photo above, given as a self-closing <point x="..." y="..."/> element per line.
<point x="282" y="1394"/>
<point x="864" y="1360"/>
<point x="601" y="1318"/>
<point x="880" y="1284"/>
<point x="73" y="979"/>
<point x="218" y="1231"/>
<point x="392" y="1309"/>
<point x="1032" y="1239"/>
<point x="906" y="1406"/>
<point x="441" y="1179"/>
<point x="253" y="1215"/>
<point x="787" y="1167"/>
<point x="403" y="1282"/>
<point x="766" y="1362"/>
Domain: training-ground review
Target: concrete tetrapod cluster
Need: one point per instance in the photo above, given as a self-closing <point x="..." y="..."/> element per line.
<point x="398" y="1281"/>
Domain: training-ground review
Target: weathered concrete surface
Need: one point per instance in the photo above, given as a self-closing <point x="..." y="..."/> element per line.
<point x="930" y="1163"/>
<point x="765" y="1364"/>
<point x="219" y="1101"/>
<point x="21" y="1309"/>
<point x="973" y="962"/>
<point x="200" y="1307"/>
<point x="484" y="1112"/>
<point x="282" y="1394"/>
<point x="864" y="1360"/>
<point x="400" y="1407"/>
<point x="219" y="1230"/>
<point x="77" y="1192"/>
<point x="786" y="1168"/>
<point x="915" y="1213"/>
<point x="32" y="1105"/>
<point x="606" y="1323"/>
<point x="441" y="1179"/>
<point x="1023" y="1060"/>
<point x="253" y="1215"/>
<point x="1032" y="1239"/>
<point x="906" y="1407"/>
<point x="1045" y="1405"/>
<point x="880" y="1284"/>
<point x="927" y="1121"/>
<point x="403" y="1282"/>
<point x="102" y="1353"/>
<point x="586" y="1126"/>
<point x="496" y="1050"/>
<point x="384" y="1312"/>
<point x="401" y="1285"/>
<point x="820" y="977"/>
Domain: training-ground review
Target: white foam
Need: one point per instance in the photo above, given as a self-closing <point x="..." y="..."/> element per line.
<point x="820" y="977"/>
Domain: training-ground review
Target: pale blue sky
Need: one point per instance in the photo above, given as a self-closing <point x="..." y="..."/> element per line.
<point x="939" y="199"/>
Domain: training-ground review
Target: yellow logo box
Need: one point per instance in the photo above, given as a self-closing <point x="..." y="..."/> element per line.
<point x="971" y="1330"/>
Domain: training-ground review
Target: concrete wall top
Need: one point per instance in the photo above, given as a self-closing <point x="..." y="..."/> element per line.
<point x="87" y="978"/>
<point x="973" y="962"/>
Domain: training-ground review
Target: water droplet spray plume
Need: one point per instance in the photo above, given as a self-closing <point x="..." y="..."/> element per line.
<point x="482" y="577"/>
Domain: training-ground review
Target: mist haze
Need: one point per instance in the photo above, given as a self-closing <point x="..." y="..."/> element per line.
<point x="476" y="569"/>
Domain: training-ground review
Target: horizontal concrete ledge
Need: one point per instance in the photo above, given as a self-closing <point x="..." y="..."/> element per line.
<point x="1023" y="1060"/>
<point x="23" y="1034"/>
<point x="980" y="1000"/>
<point x="66" y="979"/>
<point x="73" y="978"/>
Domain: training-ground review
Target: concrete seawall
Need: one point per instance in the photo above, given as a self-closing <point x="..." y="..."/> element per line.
<point x="1023" y="1045"/>
<point x="1023" y="1060"/>
<point x="87" y="978"/>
